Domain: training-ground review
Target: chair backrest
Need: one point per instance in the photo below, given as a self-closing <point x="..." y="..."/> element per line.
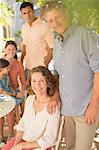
<point x="62" y="120"/>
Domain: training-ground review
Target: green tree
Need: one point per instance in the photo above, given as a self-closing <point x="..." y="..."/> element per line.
<point x="24" y="0"/>
<point x="84" y="12"/>
<point x="6" y="13"/>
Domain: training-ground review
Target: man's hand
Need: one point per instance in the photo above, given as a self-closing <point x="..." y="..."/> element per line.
<point x="23" y="50"/>
<point x="93" y="108"/>
<point x="91" y="114"/>
<point x="53" y="103"/>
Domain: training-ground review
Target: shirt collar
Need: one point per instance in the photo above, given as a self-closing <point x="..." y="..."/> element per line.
<point x="34" y="22"/>
<point x="70" y="30"/>
<point x="67" y="33"/>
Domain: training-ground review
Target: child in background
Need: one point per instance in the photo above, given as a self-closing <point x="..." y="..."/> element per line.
<point x="16" y="70"/>
<point x="5" y="89"/>
<point x="37" y="128"/>
<point x="16" y="73"/>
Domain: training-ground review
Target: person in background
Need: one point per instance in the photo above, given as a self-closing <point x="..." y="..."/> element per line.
<point x="37" y="128"/>
<point x="16" y="71"/>
<point x="38" y="39"/>
<point x="76" y="58"/>
<point x="5" y="88"/>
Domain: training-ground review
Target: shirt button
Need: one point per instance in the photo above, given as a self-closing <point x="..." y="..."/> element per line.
<point x="62" y="52"/>
<point x="66" y="99"/>
<point x="64" y="88"/>
<point x="62" y="76"/>
<point x="63" y="64"/>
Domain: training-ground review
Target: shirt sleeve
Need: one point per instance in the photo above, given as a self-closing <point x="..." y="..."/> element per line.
<point x="49" y="36"/>
<point x="20" y="125"/>
<point x="22" y="75"/>
<point x="91" y="47"/>
<point x="50" y="135"/>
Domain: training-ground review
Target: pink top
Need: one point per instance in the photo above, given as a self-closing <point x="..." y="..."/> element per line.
<point x="36" y="38"/>
<point x="16" y="69"/>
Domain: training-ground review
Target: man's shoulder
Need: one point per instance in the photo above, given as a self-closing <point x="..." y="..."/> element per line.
<point x="44" y="24"/>
<point x="86" y="31"/>
<point x="80" y="28"/>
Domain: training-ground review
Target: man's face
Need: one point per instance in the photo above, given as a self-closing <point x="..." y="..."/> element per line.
<point x="28" y="14"/>
<point x="56" y="21"/>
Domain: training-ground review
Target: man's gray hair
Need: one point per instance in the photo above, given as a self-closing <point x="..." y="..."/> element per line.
<point x="48" y="6"/>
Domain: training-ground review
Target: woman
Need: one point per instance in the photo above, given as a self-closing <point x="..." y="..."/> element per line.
<point x="16" y="71"/>
<point x="37" y="128"/>
<point x="16" y="68"/>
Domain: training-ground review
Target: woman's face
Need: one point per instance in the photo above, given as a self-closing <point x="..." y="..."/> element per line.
<point x="10" y="50"/>
<point x="38" y="83"/>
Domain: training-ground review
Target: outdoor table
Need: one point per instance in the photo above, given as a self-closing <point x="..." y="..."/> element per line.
<point x="7" y="104"/>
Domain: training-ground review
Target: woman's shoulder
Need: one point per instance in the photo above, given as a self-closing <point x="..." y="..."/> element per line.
<point x="17" y="63"/>
<point x="30" y="99"/>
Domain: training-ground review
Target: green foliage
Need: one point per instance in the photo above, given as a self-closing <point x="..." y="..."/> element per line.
<point x="23" y="0"/>
<point x="6" y="13"/>
<point x="40" y="2"/>
<point x="84" y="12"/>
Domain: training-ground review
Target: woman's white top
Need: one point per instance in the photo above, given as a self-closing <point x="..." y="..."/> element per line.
<point x="41" y="126"/>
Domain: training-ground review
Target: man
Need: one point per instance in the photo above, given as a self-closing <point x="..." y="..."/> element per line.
<point x="76" y="58"/>
<point x="38" y="39"/>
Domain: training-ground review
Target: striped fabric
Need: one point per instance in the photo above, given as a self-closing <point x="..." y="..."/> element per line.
<point x="76" y="60"/>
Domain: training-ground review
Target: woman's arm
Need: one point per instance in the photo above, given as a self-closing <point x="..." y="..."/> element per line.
<point x="1" y="91"/>
<point x="22" y="76"/>
<point x="25" y="145"/>
<point x="18" y="137"/>
<point x="22" y="79"/>
<point x="49" y="137"/>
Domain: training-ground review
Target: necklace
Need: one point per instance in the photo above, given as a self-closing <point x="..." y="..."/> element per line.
<point x="42" y="100"/>
<point x="39" y="104"/>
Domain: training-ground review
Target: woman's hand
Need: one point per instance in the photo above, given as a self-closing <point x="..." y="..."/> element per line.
<point x="17" y="147"/>
<point x="20" y="94"/>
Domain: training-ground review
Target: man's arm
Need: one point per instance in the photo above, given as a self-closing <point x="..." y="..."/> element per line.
<point x="93" y="108"/>
<point x="48" y="58"/>
<point x="23" y="50"/>
<point x="55" y="101"/>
